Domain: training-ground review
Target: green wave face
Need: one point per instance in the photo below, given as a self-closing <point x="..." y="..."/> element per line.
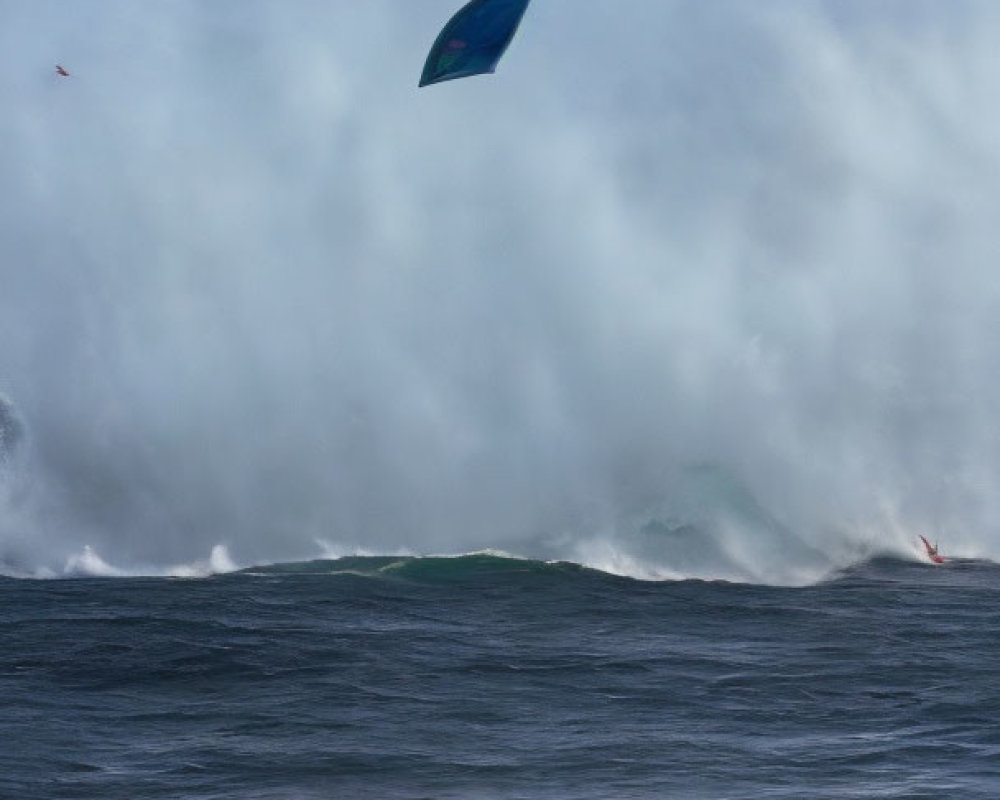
<point x="431" y="569"/>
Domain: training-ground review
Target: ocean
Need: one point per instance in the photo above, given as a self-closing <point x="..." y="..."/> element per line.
<point x="691" y="313"/>
<point x="485" y="676"/>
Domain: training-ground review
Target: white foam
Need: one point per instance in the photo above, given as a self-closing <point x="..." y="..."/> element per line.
<point x="603" y="555"/>
<point x="334" y="550"/>
<point x="89" y="563"/>
<point x="217" y="563"/>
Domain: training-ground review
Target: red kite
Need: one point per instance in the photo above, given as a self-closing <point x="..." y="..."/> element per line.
<point x="62" y="71"/>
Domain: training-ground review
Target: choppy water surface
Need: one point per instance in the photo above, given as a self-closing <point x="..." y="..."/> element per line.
<point x="489" y="677"/>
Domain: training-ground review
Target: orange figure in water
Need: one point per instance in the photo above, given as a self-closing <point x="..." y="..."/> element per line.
<point x="932" y="551"/>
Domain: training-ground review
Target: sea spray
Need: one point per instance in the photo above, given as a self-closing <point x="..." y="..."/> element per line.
<point x="11" y="430"/>
<point x="278" y="295"/>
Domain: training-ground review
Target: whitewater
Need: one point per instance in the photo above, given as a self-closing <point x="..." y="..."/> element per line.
<point x="725" y="310"/>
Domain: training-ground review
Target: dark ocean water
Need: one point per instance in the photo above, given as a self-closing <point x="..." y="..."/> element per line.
<point x="487" y="677"/>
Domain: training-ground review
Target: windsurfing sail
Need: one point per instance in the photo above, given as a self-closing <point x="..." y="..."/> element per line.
<point x="474" y="40"/>
<point x="932" y="551"/>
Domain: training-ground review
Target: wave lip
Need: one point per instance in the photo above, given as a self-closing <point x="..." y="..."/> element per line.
<point x="462" y="568"/>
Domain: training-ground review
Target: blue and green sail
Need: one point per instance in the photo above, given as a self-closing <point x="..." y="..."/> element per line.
<point x="474" y="40"/>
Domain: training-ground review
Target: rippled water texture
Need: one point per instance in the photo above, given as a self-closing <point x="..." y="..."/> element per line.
<point x="488" y="677"/>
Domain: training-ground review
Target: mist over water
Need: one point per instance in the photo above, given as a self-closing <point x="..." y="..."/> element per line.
<point x="685" y="289"/>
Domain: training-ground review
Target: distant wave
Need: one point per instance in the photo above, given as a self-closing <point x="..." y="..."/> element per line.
<point x="893" y="568"/>
<point x="489" y="567"/>
<point x="431" y="569"/>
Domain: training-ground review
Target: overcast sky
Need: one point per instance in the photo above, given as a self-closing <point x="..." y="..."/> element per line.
<point x="724" y="264"/>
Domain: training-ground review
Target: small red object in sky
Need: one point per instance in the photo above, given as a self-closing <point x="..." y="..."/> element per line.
<point x="62" y="71"/>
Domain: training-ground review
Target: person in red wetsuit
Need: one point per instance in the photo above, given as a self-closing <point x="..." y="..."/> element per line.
<point x="932" y="551"/>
